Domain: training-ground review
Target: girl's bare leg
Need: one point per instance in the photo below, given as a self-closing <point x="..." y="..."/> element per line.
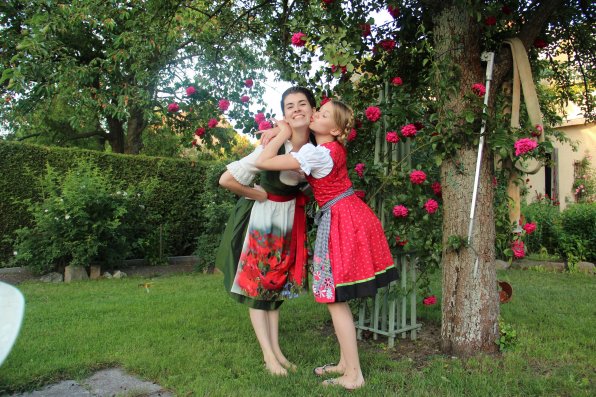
<point x="343" y="323"/>
<point x="260" y="323"/>
<point x="273" y="317"/>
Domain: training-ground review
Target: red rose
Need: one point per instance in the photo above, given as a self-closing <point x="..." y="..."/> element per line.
<point x="259" y="117"/>
<point x="264" y="125"/>
<point x="529" y="227"/>
<point x="223" y="104"/>
<point x="540" y="43"/>
<point x="394" y="11"/>
<point x="517" y="247"/>
<point x="359" y="168"/>
<point x="298" y="39"/>
<point x="417" y="177"/>
<point x="387" y="45"/>
<point x="365" y="28"/>
<point x="479" y="89"/>
<point x="372" y="113"/>
<point x="396" y="81"/>
<point x="436" y="188"/>
<point x="244" y="98"/>
<point x="352" y="135"/>
<point x="173" y="107"/>
<point x="431" y="206"/>
<point x="200" y="131"/>
<point x="248" y="83"/>
<point x="429" y="300"/>
<point x="392" y="137"/>
<point x="400" y="211"/>
<point x="190" y="90"/>
<point x="490" y="21"/>
<point x="212" y="123"/>
<point x="408" y="130"/>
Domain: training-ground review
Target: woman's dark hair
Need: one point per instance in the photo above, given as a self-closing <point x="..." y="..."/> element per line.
<point x="298" y="90"/>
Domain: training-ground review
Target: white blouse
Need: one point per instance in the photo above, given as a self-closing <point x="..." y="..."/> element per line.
<point x="244" y="170"/>
<point x="314" y="160"/>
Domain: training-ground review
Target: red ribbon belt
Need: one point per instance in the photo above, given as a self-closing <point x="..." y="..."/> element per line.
<point x="298" y="251"/>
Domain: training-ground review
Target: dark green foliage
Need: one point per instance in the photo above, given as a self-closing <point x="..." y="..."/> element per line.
<point x="546" y="216"/>
<point x="175" y="205"/>
<point x="578" y="231"/>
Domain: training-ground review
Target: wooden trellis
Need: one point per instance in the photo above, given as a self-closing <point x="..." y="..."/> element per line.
<point x="392" y="311"/>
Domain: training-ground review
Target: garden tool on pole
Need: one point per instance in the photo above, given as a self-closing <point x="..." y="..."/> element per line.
<point x="489" y="58"/>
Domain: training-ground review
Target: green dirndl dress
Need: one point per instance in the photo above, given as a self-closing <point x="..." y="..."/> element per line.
<point x="255" y="252"/>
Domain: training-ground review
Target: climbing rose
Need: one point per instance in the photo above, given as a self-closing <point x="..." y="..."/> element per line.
<point x="400" y="211"/>
<point x="517" y="247"/>
<point x="539" y="43"/>
<point x="396" y="81"/>
<point x="173" y="107"/>
<point x="190" y="90"/>
<point x="365" y="28"/>
<point x="212" y="123"/>
<point x="408" y="130"/>
<point x="490" y="21"/>
<point x="298" y="39"/>
<point x="224" y="104"/>
<point x="437" y="188"/>
<point x="431" y="206"/>
<point x="359" y="168"/>
<point x="394" y="11"/>
<point x="360" y="194"/>
<point x="248" y="83"/>
<point x="417" y="177"/>
<point x="373" y="113"/>
<point x="392" y="137"/>
<point x="352" y="135"/>
<point x="244" y="98"/>
<point x="335" y="67"/>
<point x="524" y="145"/>
<point x="200" y="131"/>
<point x="259" y="117"/>
<point x="429" y="300"/>
<point x="537" y="131"/>
<point x="399" y="241"/>
<point x="529" y="227"/>
<point x="387" y="45"/>
<point x="479" y="89"/>
<point x="264" y="125"/>
<point x="418" y="125"/>
<point x="327" y="1"/>
<point x="193" y="143"/>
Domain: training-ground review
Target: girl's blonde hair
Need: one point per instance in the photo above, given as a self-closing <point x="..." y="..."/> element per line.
<point x="343" y="116"/>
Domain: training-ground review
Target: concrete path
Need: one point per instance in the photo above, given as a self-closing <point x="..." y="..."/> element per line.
<point x="106" y="383"/>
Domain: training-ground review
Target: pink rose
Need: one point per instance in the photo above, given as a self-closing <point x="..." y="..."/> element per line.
<point x="436" y="188"/>
<point x="408" y="130"/>
<point x="429" y="300"/>
<point x="173" y="107"/>
<point x="396" y="81"/>
<point x="259" y="117"/>
<point x="387" y="45"/>
<point x="359" y="168"/>
<point x="490" y="21"/>
<point x="334" y="68"/>
<point x="352" y="135"/>
<point x="524" y="145"/>
<point x="200" y="131"/>
<point x="298" y="39"/>
<point x="190" y="90"/>
<point x="224" y="104"/>
<point x="394" y="11"/>
<point x="365" y="28"/>
<point x="248" y="83"/>
<point x="392" y="137"/>
<point x="400" y="211"/>
<point x="517" y="247"/>
<point x="264" y="125"/>
<point x="400" y="242"/>
<point x="540" y="43"/>
<point x="529" y="227"/>
<point x="431" y="206"/>
<point x="479" y="89"/>
<point x="417" y="177"/>
<point x="212" y="123"/>
<point x="372" y="113"/>
<point x="537" y="131"/>
<point x="244" y="98"/>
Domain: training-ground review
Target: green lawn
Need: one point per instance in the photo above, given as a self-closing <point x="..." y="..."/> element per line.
<point x="189" y="337"/>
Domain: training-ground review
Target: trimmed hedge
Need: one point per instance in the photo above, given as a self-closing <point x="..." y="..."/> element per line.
<point x="181" y="185"/>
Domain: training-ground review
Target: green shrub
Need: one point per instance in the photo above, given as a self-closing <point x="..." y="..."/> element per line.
<point x="577" y="238"/>
<point x="84" y="217"/>
<point x="545" y="214"/>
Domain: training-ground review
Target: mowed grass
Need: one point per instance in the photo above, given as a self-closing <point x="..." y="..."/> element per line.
<point x="187" y="335"/>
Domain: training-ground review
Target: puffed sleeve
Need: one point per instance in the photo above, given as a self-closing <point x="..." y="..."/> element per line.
<point x="314" y="160"/>
<point x="244" y="170"/>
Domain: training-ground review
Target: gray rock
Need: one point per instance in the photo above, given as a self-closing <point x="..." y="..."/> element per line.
<point x="586" y="267"/>
<point x="52" y="278"/>
<point x="501" y="265"/>
<point x="119" y="274"/>
<point x="68" y="388"/>
<point x="115" y="382"/>
<point x="107" y="275"/>
<point x="75" y="273"/>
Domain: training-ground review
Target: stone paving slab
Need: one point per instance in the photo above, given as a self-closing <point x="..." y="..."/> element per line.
<point x="113" y="382"/>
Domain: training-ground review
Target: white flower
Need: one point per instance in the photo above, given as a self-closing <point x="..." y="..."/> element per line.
<point x="15" y="253"/>
<point x="67" y="217"/>
<point x="125" y="194"/>
<point x="46" y="210"/>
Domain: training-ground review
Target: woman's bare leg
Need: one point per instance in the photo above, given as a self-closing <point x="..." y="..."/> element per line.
<point x="343" y="323"/>
<point x="260" y="323"/>
<point x="273" y="317"/>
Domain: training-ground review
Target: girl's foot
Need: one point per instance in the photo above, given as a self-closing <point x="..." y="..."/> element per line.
<point x="275" y="368"/>
<point x="289" y="366"/>
<point x="328" y="369"/>
<point x="348" y="384"/>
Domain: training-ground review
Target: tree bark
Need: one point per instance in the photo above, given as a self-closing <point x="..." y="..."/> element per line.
<point x="470" y="307"/>
<point x="134" y="130"/>
<point x="115" y="135"/>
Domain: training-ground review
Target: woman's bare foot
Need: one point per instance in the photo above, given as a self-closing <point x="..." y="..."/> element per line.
<point x="329" y="369"/>
<point x="345" y="382"/>
<point x="275" y="368"/>
<point x="289" y="366"/>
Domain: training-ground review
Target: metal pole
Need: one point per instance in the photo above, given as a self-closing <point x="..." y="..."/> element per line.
<point x="489" y="57"/>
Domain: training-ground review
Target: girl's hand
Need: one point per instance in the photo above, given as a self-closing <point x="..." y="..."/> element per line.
<point x="284" y="129"/>
<point x="268" y="135"/>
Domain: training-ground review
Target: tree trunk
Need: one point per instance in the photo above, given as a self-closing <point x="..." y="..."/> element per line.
<point x="135" y="126"/>
<point x="115" y="135"/>
<point x="470" y="307"/>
